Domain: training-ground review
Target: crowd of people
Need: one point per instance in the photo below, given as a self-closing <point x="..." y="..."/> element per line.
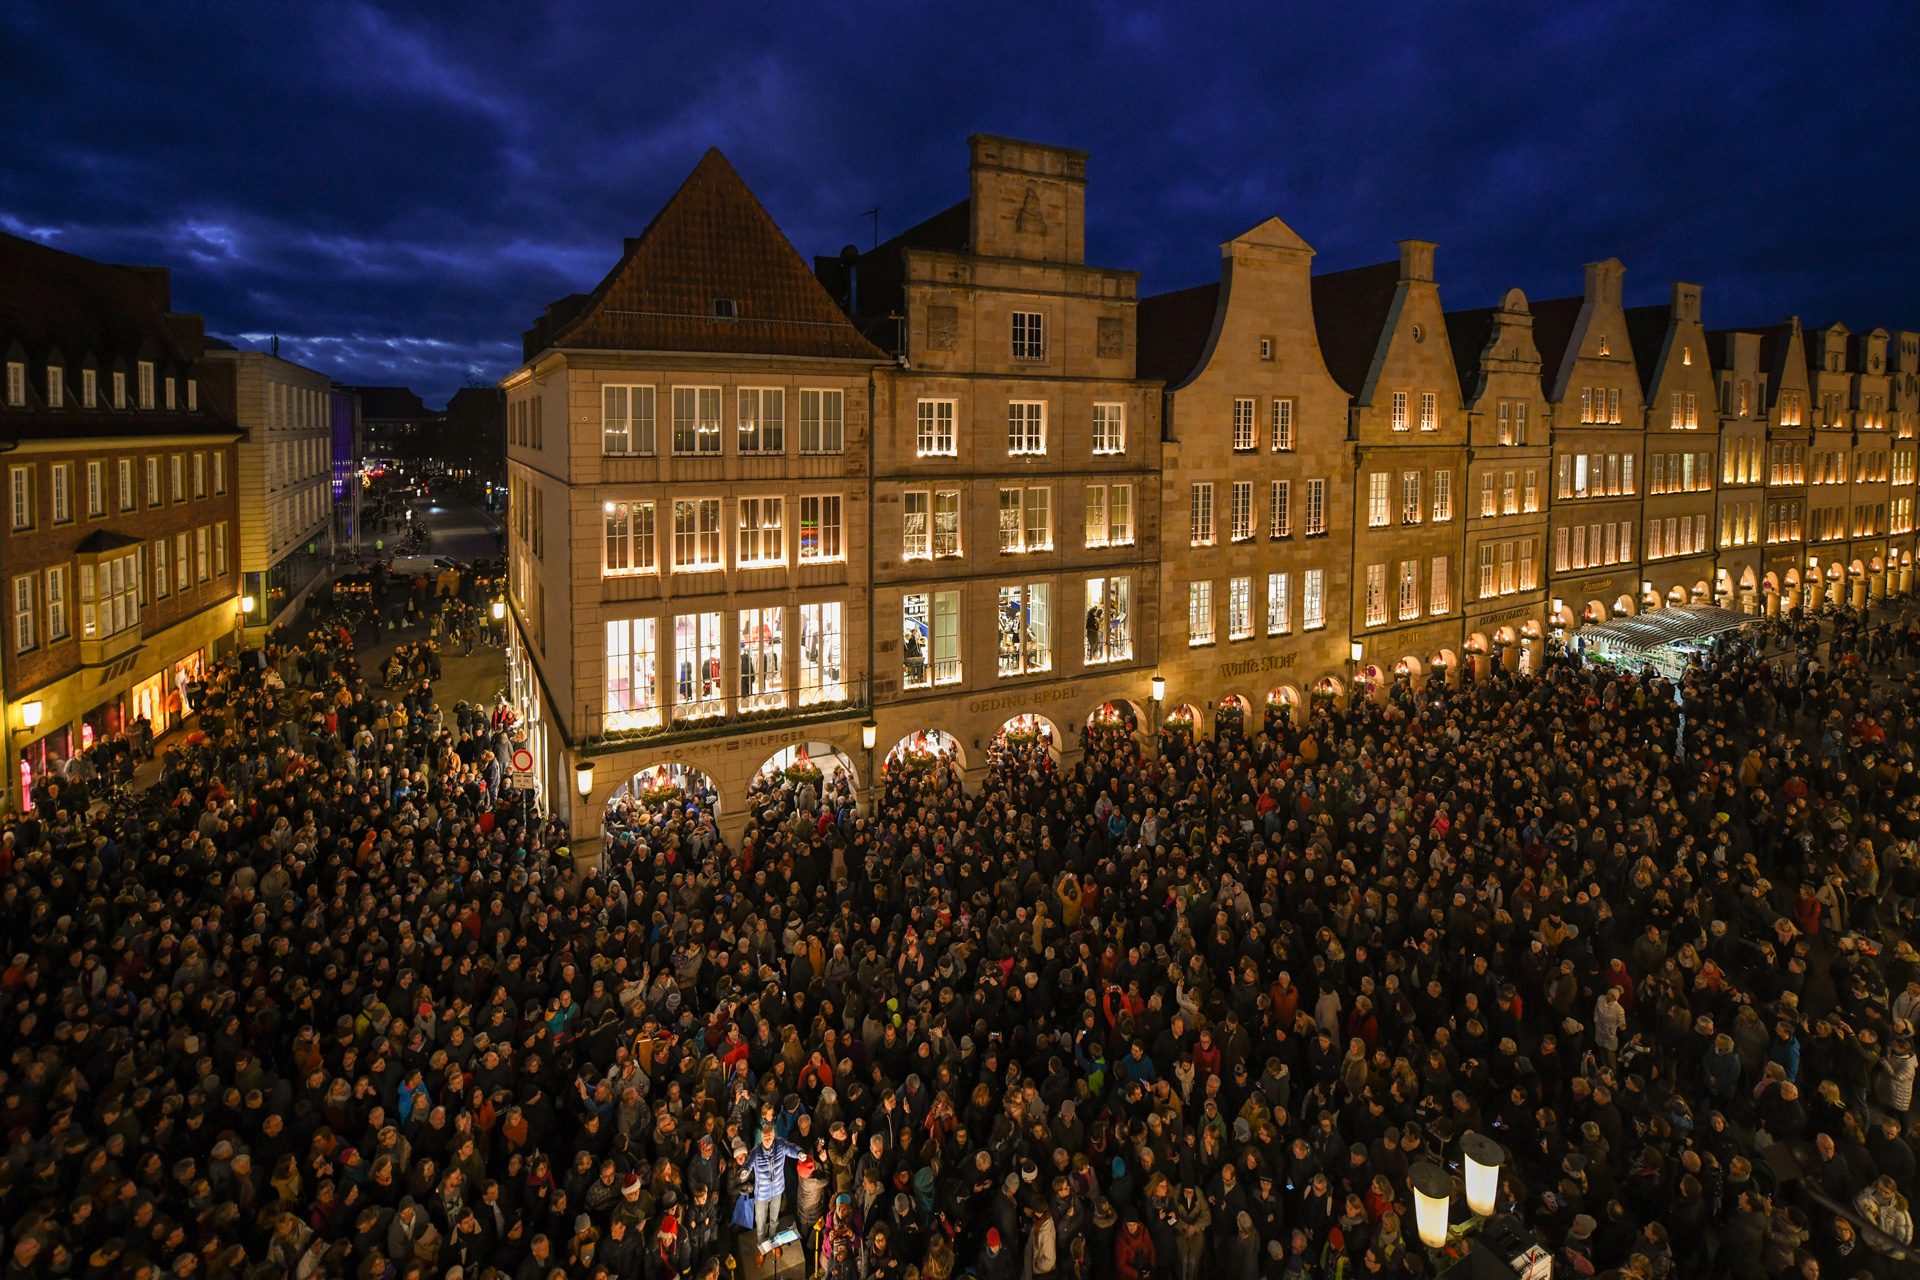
<point x="334" y="1010"/>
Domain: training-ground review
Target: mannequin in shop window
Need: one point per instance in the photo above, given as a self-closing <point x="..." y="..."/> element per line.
<point x="746" y="671"/>
<point x="710" y="677"/>
<point x="686" y="680"/>
<point x="1094" y="630"/>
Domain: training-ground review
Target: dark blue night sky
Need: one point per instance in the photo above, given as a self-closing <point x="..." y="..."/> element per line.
<point x="396" y="191"/>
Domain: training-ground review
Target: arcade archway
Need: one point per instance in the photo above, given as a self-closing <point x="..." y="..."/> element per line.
<point x="1283" y="707"/>
<point x="659" y="788"/>
<point x="1021" y="739"/>
<point x="820" y="765"/>
<point x="1232" y="716"/>
<point x="925" y="749"/>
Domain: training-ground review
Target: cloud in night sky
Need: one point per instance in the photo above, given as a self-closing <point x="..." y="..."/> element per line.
<point x="397" y="191"/>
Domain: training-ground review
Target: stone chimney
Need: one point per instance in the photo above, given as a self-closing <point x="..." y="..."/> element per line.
<point x="1603" y="281"/>
<point x="1686" y="302"/>
<point x="1416" y="260"/>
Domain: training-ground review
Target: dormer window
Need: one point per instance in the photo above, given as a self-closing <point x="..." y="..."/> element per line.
<point x="145" y="369"/>
<point x="171" y="384"/>
<point x="16" y="384"/>
<point x="193" y="396"/>
<point x="89" y="389"/>
<point x="56" y="386"/>
<point x="725" y="309"/>
<point x="119" y="389"/>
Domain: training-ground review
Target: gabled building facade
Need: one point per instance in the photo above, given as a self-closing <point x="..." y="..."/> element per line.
<point x="1741" y="403"/>
<point x="1256" y="458"/>
<point x="1830" y="462"/>
<point x="687" y="452"/>
<point x="1385" y="341"/>
<point x="1599" y="429"/>
<point x="1868" y="504"/>
<point x="118" y="561"/>
<point x="1680" y="532"/>
<point x="1903" y="407"/>
<point x="1504" y="598"/>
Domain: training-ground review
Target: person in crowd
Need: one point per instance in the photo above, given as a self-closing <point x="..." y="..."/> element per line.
<point x="328" y="998"/>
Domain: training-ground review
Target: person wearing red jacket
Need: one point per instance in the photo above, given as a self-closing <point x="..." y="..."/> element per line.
<point x="1133" y="1255"/>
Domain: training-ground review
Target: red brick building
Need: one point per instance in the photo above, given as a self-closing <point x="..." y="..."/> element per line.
<point x="118" y="555"/>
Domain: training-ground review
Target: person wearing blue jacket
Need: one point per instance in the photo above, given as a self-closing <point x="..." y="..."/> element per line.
<point x="769" y="1165"/>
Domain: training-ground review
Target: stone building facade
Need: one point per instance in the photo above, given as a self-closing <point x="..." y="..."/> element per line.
<point x="1016" y="465"/>
<point x="286" y="470"/>
<point x="688" y="447"/>
<point x="1680" y="534"/>
<point x="965" y="488"/>
<point x="1504" y="599"/>
<point x="1385" y="341"/>
<point x="1256" y="458"/>
<point x="1599" y="428"/>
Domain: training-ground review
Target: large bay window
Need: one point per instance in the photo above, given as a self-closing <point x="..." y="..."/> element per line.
<point x="109" y="596"/>
<point x="1025" y="623"/>
<point x="633" y="693"/>
<point x="1110" y="618"/>
<point x="930" y="638"/>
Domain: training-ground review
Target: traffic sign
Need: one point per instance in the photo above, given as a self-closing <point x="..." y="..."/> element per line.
<point x="522" y="760"/>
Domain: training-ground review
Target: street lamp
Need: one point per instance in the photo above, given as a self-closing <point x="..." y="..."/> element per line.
<point x="869" y="739"/>
<point x="1356" y="650"/>
<point x="583" y="778"/>
<point x="246" y="605"/>
<point x="499" y="610"/>
<point x="30" y="713"/>
<point x="1432" y="1189"/>
<point x="1159" y="689"/>
<point x="1483" y="1157"/>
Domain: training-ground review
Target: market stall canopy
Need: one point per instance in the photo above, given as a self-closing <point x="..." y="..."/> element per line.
<point x="1659" y="638"/>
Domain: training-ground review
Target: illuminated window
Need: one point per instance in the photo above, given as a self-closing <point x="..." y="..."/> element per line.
<point x="699" y="673"/>
<point x="822" y="421"/>
<point x="930" y="638"/>
<point x="1199" y="613"/>
<point x="1109" y="428"/>
<point x="1200" y="515"/>
<point x="1279" y="604"/>
<point x="1024" y="629"/>
<point x="934" y="435"/>
<point x="763" y="532"/>
<point x="632" y="684"/>
<point x="696" y="421"/>
<point x="1026" y="427"/>
<point x="822" y="674"/>
<point x="1239" y="608"/>
<point x="1242" y="425"/>
<point x="626" y="421"/>
<point x="820" y="528"/>
<point x="1029" y="336"/>
<point x="760" y="420"/>
<point x="1109" y="618"/>
<point x="1282" y="430"/>
<point x="761" y="659"/>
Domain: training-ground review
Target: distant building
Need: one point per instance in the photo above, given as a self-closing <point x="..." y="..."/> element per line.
<point x="473" y="432"/>
<point x="118" y="566"/>
<point x="394" y="422"/>
<point x="285" y="474"/>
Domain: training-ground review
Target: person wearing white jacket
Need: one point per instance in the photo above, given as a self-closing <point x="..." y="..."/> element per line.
<point x="1609" y="1020"/>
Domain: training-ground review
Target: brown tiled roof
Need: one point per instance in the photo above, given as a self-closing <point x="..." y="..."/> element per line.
<point x="713" y="240"/>
<point x="1647" y="333"/>
<point x="1468" y="332"/>
<point x="1174" y="328"/>
<point x="1553" y="322"/>
<point x="1350" y="312"/>
<point x="59" y="308"/>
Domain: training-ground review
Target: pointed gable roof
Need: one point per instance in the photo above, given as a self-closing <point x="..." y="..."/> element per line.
<point x="1350" y="310"/>
<point x="712" y="240"/>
